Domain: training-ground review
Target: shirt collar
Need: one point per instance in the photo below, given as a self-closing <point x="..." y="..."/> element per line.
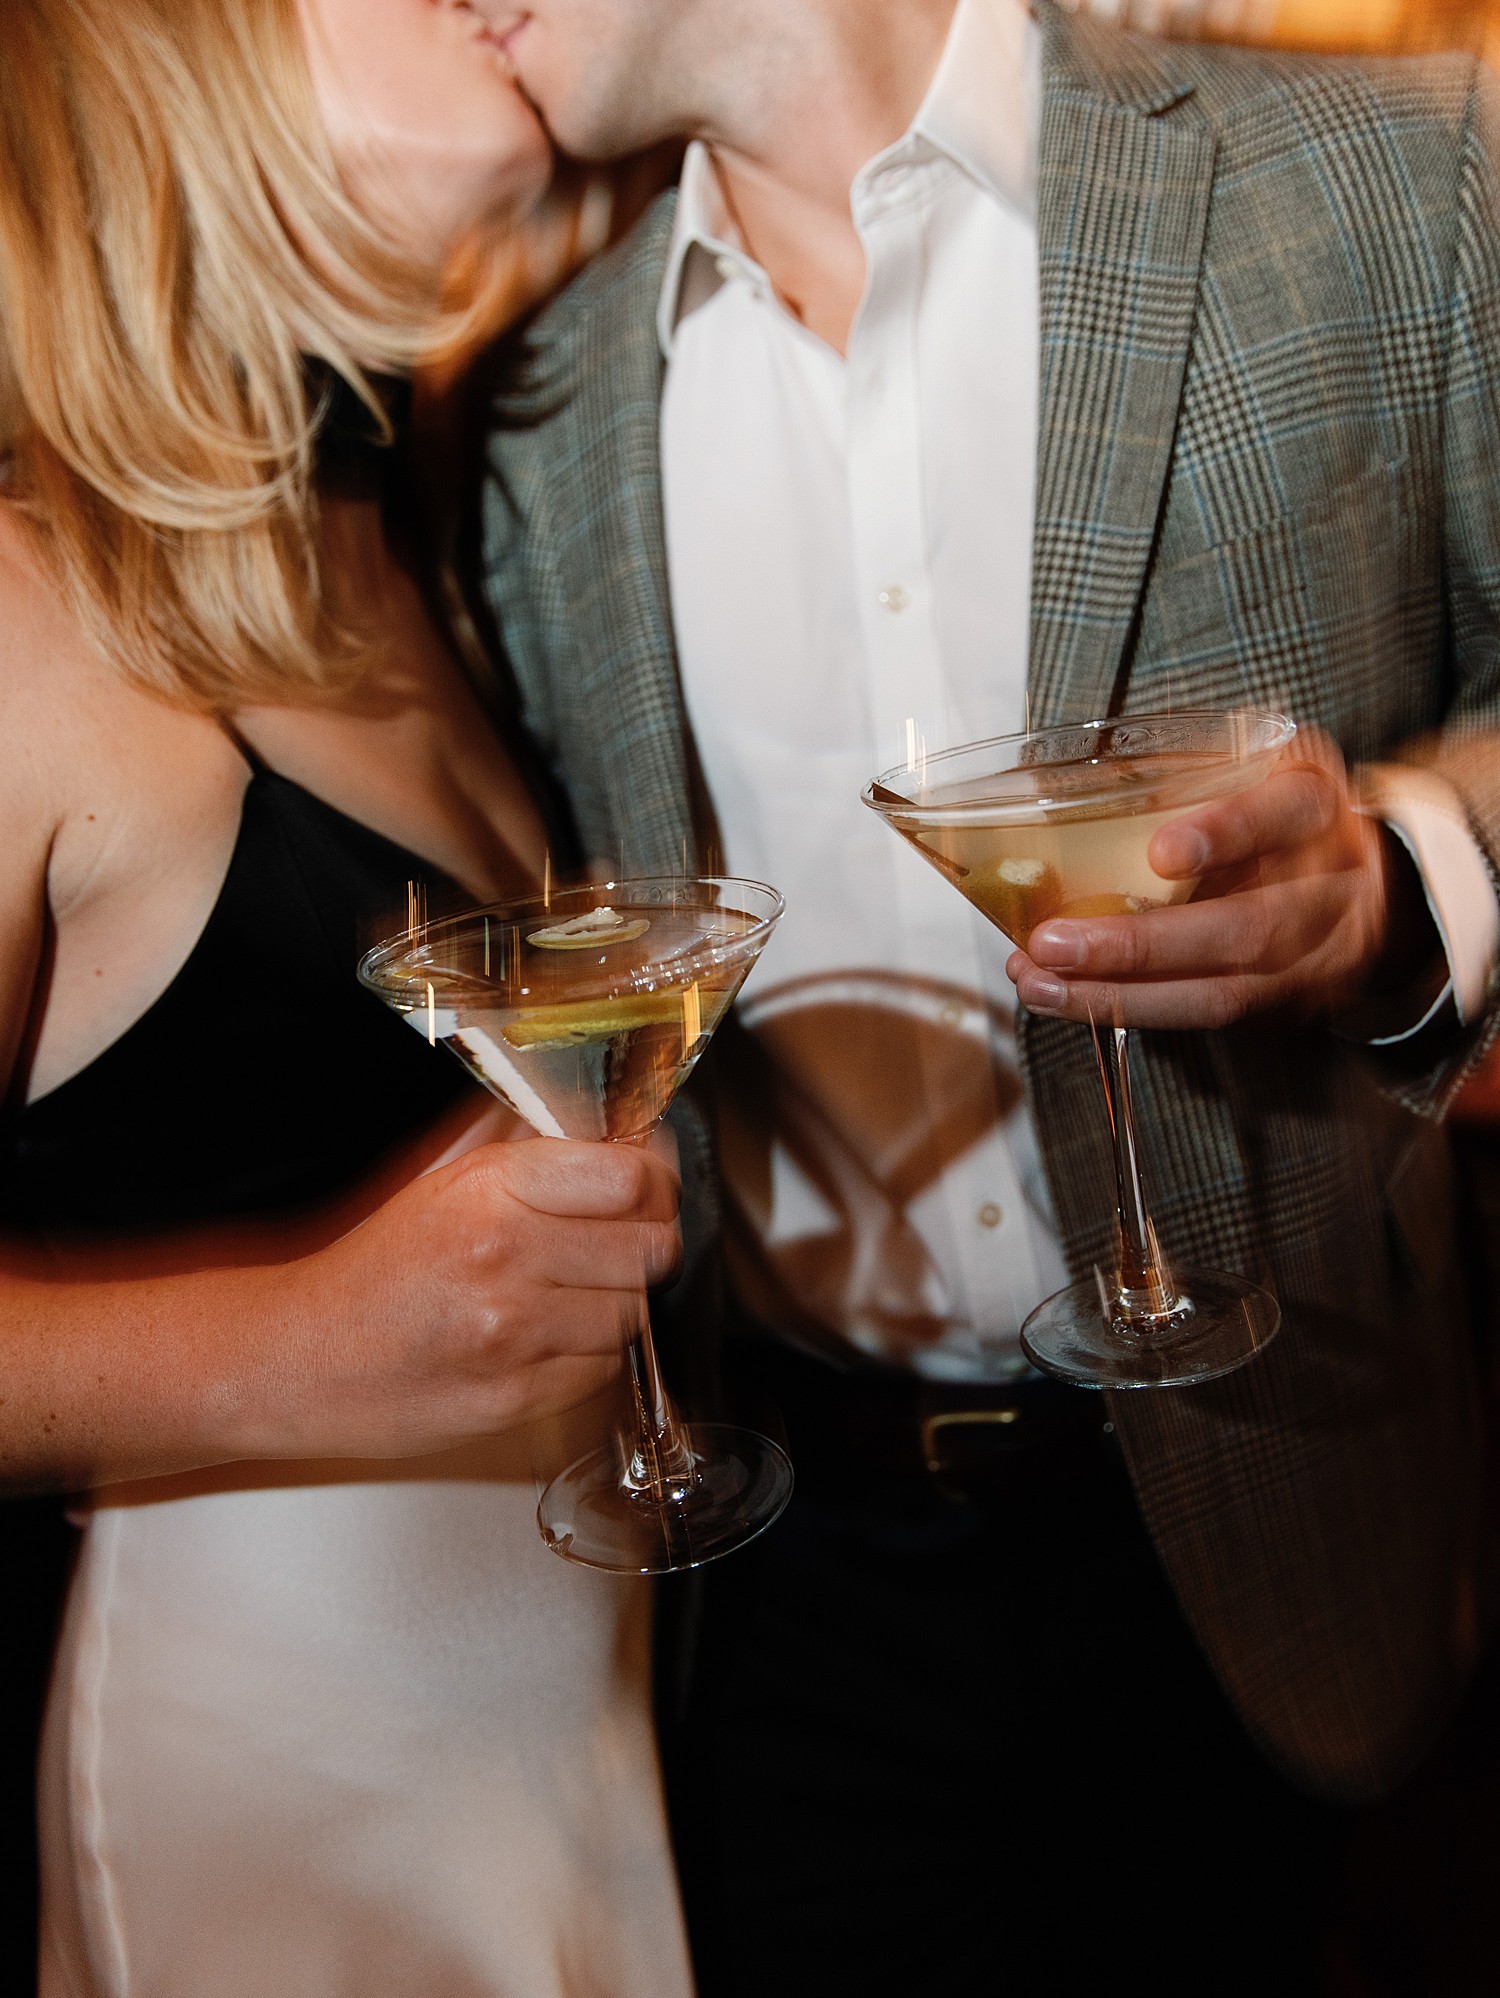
<point x="702" y="231"/>
<point x="982" y="110"/>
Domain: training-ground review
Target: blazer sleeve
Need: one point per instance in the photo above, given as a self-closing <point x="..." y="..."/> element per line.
<point x="1466" y="750"/>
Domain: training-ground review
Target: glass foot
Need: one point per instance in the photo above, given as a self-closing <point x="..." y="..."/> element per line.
<point x="1221" y="1323"/>
<point x="743" y="1480"/>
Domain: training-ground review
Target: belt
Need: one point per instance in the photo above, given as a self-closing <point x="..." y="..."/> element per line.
<point x="882" y="1429"/>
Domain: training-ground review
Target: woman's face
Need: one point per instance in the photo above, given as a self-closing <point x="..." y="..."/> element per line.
<point x="423" y="114"/>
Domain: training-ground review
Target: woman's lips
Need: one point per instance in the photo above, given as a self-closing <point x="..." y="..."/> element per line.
<point x="503" y="26"/>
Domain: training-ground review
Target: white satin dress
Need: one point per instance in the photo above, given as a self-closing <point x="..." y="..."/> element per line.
<point x="363" y="1738"/>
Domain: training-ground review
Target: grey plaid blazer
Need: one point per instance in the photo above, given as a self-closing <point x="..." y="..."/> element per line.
<point x="1270" y="472"/>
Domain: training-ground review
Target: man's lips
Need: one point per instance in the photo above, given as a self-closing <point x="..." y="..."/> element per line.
<point x="503" y="26"/>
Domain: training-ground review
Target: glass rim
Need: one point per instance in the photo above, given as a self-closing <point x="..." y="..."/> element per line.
<point x="1282" y="729"/>
<point x="380" y="957"/>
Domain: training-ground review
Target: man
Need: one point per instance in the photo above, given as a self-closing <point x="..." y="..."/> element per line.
<point x="991" y="371"/>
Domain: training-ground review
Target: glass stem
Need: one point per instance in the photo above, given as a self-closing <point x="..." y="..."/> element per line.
<point x="660" y="1463"/>
<point x="1144" y="1295"/>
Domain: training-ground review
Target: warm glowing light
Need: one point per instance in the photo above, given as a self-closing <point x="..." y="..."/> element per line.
<point x="692" y="1019"/>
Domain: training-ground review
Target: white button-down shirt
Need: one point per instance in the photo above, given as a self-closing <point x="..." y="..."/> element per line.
<point x="849" y="543"/>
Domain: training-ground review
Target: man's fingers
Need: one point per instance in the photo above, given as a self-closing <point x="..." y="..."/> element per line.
<point x="1291" y="807"/>
<point x="1259" y="930"/>
<point x="1169" y="1002"/>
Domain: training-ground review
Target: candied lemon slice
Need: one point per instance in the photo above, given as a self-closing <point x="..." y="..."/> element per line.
<point x="1107" y="905"/>
<point x="598" y="926"/>
<point x="602" y="1019"/>
<point x="1016" y="895"/>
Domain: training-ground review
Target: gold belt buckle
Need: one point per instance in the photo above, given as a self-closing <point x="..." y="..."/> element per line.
<point x="959" y="1418"/>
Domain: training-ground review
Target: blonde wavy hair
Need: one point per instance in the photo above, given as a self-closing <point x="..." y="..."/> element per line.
<point x="175" y="247"/>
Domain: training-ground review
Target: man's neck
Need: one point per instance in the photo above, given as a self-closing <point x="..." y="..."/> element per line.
<point x="849" y="81"/>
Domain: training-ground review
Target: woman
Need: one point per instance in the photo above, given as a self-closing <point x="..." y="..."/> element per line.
<point x="320" y="1720"/>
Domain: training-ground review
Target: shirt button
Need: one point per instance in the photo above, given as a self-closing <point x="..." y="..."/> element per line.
<point x="893" y="598"/>
<point x="729" y="268"/>
<point x="989" y="1215"/>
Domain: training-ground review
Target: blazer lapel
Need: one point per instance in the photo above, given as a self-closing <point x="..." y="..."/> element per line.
<point x="595" y="501"/>
<point x="1123" y="202"/>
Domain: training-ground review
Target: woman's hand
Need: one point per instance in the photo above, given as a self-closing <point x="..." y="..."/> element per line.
<point x="488" y="1292"/>
<point x="491" y="1292"/>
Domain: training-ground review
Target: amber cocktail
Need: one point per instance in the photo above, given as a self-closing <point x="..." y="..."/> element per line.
<point x="1058" y="823"/>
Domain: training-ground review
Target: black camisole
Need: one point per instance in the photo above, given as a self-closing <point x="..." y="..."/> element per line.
<point x="264" y="1079"/>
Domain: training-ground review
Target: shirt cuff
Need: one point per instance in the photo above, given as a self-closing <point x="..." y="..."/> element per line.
<point x="1427" y="815"/>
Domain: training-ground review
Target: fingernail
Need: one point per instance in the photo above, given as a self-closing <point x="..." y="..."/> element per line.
<point x="1062" y="948"/>
<point x="1188" y="852"/>
<point x="1045" y="995"/>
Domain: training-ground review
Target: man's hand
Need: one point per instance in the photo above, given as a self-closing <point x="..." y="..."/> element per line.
<point x="1303" y="905"/>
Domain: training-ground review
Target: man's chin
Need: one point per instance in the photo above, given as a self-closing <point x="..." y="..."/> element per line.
<point x="590" y="141"/>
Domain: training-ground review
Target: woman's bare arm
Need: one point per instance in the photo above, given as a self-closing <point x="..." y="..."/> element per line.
<point x="494" y="1291"/>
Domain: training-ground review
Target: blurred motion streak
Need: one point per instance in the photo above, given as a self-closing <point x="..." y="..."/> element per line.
<point x="1340" y="26"/>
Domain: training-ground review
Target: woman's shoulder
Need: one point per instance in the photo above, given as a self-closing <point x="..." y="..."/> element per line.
<point x="86" y="756"/>
<point x="40" y="662"/>
<point x="42" y="648"/>
<point x="64" y="707"/>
